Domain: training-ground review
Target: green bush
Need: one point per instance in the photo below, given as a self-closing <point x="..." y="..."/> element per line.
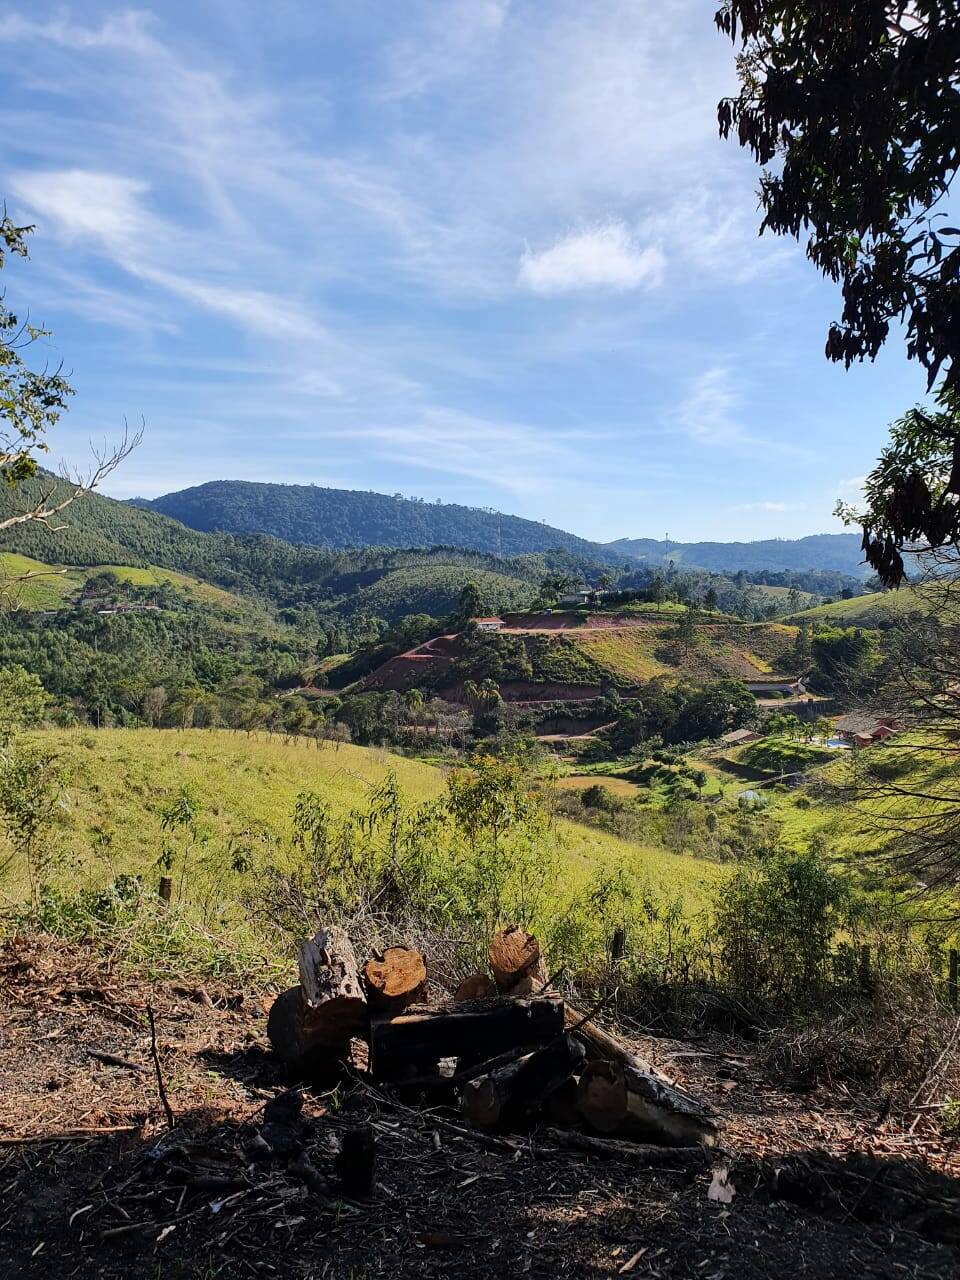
<point x="776" y="920"/>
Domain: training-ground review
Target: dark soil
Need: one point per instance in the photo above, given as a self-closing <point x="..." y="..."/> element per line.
<point x="92" y="1182"/>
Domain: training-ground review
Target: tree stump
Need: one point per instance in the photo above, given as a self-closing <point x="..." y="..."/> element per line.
<point x="335" y="1008"/>
<point x="476" y="987"/>
<point x="397" y="979"/>
<point x="516" y="962"/>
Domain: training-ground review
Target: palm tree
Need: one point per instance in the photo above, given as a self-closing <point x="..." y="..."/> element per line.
<point x="413" y="699"/>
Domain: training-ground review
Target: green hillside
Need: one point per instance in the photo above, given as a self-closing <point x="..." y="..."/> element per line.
<point x="384" y="581"/>
<point x="435" y="589"/>
<point x="877" y="610"/>
<point x="36" y="584"/>
<point x="243" y="788"/>
<point x="347" y="518"/>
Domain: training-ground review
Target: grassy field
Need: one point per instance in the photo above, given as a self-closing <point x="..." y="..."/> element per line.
<point x="117" y="782"/>
<point x="879" y="609"/>
<point x="58" y="588"/>
<point x="644" y="652"/>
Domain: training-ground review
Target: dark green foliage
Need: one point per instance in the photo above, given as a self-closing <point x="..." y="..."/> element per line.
<point x="860" y="108"/>
<point x="776" y="921"/>
<point x="490" y="656"/>
<point x="31" y="400"/>
<point x="845" y="658"/>
<point x="683" y="713"/>
<point x="349" y="518"/>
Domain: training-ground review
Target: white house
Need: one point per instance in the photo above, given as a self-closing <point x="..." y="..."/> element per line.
<point x="487" y="624"/>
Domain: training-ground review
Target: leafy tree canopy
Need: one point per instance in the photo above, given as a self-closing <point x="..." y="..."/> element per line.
<point x="857" y="108"/>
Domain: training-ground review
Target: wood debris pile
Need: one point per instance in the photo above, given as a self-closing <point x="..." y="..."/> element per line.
<point x="502" y="1047"/>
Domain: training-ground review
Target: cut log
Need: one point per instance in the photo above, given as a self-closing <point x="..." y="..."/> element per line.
<point x="461" y="1031"/>
<point x="477" y="987"/>
<point x="335" y="1008"/>
<point x="516" y="962"/>
<point x="614" y="1097"/>
<point x="396" y="979"/>
<point x="560" y="1107"/>
<point x="510" y="1091"/>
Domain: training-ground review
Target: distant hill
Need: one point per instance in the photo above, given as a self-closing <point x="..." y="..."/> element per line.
<point x="381" y="581"/>
<point x="837" y="551"/>
<point x="334" y="518"/>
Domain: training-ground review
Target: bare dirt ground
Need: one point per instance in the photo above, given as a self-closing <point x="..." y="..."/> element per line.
<point x="93" y="1182"/>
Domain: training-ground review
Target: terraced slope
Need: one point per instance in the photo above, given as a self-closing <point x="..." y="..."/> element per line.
<point x="567" y="657"/>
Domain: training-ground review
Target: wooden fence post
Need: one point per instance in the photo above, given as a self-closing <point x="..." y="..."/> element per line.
<point x="166" y="889"/>
<point x="865" y="968"/>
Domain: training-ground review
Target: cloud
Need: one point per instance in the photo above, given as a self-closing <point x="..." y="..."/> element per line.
<point x="106" y="210"/>
<point x="126" y="31"/>
<point x="454" y="36"/>
<point x="709" y="413"/>
<point x="853" y="483"/>
<point x="604" y="257"/>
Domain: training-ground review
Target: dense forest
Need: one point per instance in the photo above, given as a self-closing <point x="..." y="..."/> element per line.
<point x="348" y="518"/>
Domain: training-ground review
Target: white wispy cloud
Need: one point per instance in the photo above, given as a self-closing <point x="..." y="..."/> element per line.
<point x="452" y="37"/>
<point x="128" y="31"/>
<point x="603" y="257"/>
<point x="710" y="412"/>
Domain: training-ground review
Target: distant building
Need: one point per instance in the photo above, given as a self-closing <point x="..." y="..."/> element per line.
<point x="131" y="608"/>
<point x="577" y="599"/>
<point x="487" y="624"/>
<point x="738" y="737"/>
<point x="864" y="728"/>
<point x="776" y="685"/>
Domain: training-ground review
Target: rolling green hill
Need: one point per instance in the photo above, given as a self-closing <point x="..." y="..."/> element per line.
<point x="243" y="788"/>
<point x="382" y="581"/>
<point x="435" y="589"/>
<point x="877" y="610"/>
<point x="38" y="585"/>
<point x="349" y="518"/>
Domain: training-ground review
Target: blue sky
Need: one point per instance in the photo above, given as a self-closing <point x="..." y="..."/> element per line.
<point x="485" y="250"/>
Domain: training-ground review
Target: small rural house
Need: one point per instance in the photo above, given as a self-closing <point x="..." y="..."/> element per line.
<point x="863" y="728"/>
<point x="739" y="737"/>
<point x="487" y="624"/>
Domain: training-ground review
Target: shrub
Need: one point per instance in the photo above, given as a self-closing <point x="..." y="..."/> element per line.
<point x="775" y="922"/>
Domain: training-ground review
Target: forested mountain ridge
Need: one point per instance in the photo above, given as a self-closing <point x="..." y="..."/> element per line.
<point x="337" y="518"/>
<point x="840" y="552"/>
<point x="334" y="518"/>
<point x="382" y="581"/>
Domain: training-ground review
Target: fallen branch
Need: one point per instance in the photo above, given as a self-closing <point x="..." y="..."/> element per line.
<point x="644" y="1153"/>
<point x="68" y="1135"/>
<point x="161" y="1087"/>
